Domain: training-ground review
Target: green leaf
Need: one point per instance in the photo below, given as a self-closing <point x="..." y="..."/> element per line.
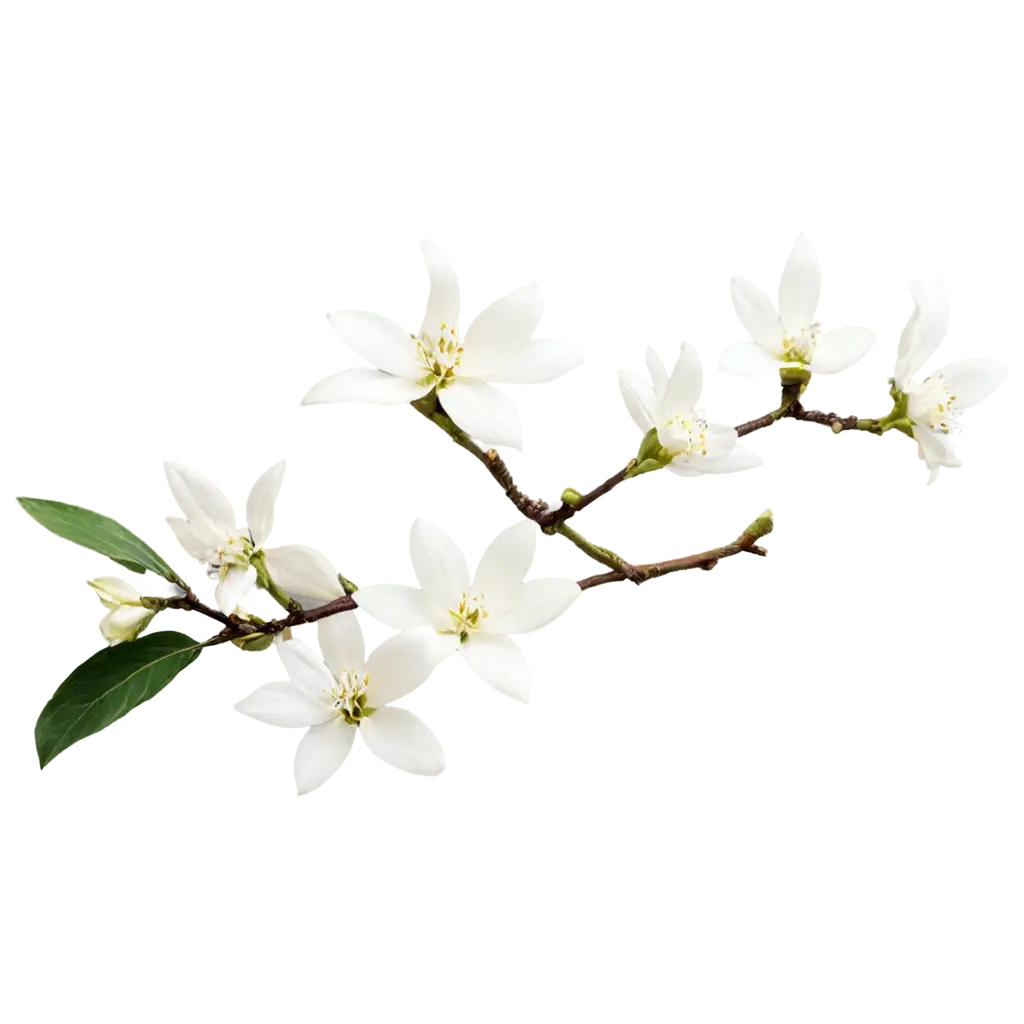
<point x="107" y="686"/>
<point x="99" y="533"/>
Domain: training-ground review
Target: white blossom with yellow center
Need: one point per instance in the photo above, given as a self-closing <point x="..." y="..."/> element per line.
<point x="208" y="531"/>
<point x="344" y="693"/>
<point x="668" y="403"/>
<point x="498" y="347"/>
<point x="935" y="406"/>
<point x="474" y="617"/>
<point x="790" y="336"/>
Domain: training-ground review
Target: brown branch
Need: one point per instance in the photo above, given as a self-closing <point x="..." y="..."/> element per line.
<point x="791" y="408"/>
<point x="580" y="501"/>
<point x="749" y="544"/>
<point x="533" y="508"/>
<point x="190" y="603"/>
<point x="836" y="422"/>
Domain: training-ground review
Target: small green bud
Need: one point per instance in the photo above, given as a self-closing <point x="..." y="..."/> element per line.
<point x="648" y="466"/>
<point x="649" y="446"/>
<point x="762" y="525"/>
<point x="570" y="496"/>
<point x="254" y="641"/>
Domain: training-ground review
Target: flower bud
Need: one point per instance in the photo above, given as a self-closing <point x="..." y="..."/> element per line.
<point x="124" y="624"/>
<point x="650" y="447"/>
<point x="114" y="592"/>
<point x="763" y="523"/>
<point x="127" y="617"/>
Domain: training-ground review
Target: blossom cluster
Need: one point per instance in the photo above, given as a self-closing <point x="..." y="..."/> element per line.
<point x="342" y="690"/>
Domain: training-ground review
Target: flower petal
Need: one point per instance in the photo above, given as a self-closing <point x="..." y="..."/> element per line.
<point x="800" y="287"/>
<point x="499" y="329"/>
<point x="259" y="504"/>
<point x="278" y="704"/>
<point x="972" y="380"/>
<point x="546" y="358"/>
<point x="198" y="539"/>
<point x="685" y="468"/>
<point x="504" y="557"/>
<point x="379" y="341"/>
<point x="114" y="591"/>
<point x="757" y="314"/>
<point x="124" y="624"/>
<point x="485" y="412"/>
<point x="839" y="349"/>
<point x="657" y="371"/>
<point x="402" y="740"/>
<point x="939" y="449"/>
<point x="321" y="752"/>
<point x="500" y="663"/>
<point x="443" y="288"/>
<point x="341" y="643"/>
<point x="439" y="565"/>
<point x="690" y="381"/>
<point x="640" y="400"/>
<point x="396" y="606"/>
<point x="403" y="667"/>
<point x="732" y="461"/>
<point x="232" y="588"/>
<point x="302" y="666"/>
<point x="924" y="331"/>
<point x="374" y="387"/>
<point x="200" y="499"/>
<point x="753" y="371"/>
<point x="533" y="605"/>
<point x="304" y="574"/>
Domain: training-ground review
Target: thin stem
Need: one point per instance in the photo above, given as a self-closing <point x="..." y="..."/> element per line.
<point x="188" y="602"/>
<point x="266" y="582"/>
<point x="748" y="544"/>
<point x="573" y="501"/>
<point x="595" y="551"/>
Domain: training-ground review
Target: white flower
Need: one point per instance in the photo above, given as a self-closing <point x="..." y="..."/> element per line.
<point x="475" y="617"/>
<point x="791" y="335"/>
<point x="304" y="574"/>
<point x="350" y="694"/>
<point x="209" y="533"/>
<point x="498" y="347"/>
<point x="127" y="618"/>
<point x="936" y="405"/>
<point x="669" y="404"/>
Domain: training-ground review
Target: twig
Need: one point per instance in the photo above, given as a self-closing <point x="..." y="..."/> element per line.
<point x="748" y="544"/>
<point x="190" y="603"/>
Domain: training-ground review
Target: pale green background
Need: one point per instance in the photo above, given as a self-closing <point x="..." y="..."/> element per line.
<point x="179" y="194"/>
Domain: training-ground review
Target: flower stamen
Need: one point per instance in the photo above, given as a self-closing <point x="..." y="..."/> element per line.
<point x="469" y="615"/>
<point x="685" y="434"/>
<point x="236" y="552"/>
<point x="348" y="697"/>
<point x="799" y="348"/>
<point x="440" y="356"/>
<point x="932" y="406"/>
